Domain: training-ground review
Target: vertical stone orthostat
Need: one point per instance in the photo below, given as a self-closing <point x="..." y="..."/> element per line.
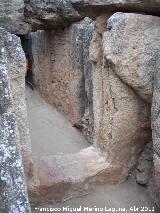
<point x="62" y="71"/>
<point x="13" y="192"/>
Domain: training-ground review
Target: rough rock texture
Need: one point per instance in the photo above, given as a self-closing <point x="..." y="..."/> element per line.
<point x="86" y="37"/>
<point x="93" y="8"/>
<point x="64" y="176"/>
<point x="17" y="83"/>
<point x="144" y="168"/>
<point x="12" y="16"/>
<point x="58" y="81"/>
<point x="62" y="71"/>
<point x="49" y="13"/>
<point x="123" y="81"/>
<point x="155" y="134"/>
<point x="97" y="59"/>
<point x="135" y="60"/>
<point x="13" y="195"/>
<point x="23" y="16"/>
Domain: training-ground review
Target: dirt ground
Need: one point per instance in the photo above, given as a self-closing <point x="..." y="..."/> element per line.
<point x="127" y="197"/>
<point x="51" y="133"/>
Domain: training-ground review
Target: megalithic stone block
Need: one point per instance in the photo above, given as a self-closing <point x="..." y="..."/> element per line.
<point x="13" y="192"/>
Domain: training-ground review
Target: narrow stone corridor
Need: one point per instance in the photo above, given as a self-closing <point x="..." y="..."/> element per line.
<point x="79" y="106"/>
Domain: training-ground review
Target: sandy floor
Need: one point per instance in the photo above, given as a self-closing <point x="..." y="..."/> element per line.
<point x="128" y="195"/>
<point x="51" y="132"/>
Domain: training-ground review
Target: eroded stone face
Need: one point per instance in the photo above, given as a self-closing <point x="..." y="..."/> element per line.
<point x="23" y="16"/>
<point x="62" y="71"/>
<point x="12" y="16"/>
<point x="93" y="8"/>
<point x="124" y="64"/>
<point x="156" y="137"/>
<point x="13" y="196"/>
<point x="16" y="66"/>
<point x="132" y="51"/>
<point x="58" y="80"/>
<point x="44" y="14"/>
<point x="144" y="168"/>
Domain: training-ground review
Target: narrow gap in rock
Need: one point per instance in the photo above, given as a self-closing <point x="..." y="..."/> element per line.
<point x="50" y="131"/>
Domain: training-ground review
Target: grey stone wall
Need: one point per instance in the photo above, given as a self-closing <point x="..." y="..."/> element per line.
<point x="13" y="192"/>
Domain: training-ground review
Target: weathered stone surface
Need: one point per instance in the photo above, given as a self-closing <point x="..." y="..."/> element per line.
<point x="123" y="82"/>
<point x="138" y="55"/>
<point x="128" y="51"/>
<point x="86" y="37"/>
<point x="12" y="16"/>
<point x="155" y="134"/>
<point x="93" y="8"/>
<point x="42" y="14"/>
<point x="64" y="176"/>
<point x="144" y="168"/>
<point x="97" y="59"/>
<point x="154" y="186"/>
<point x="62" y="71"/>
<point x="58" y="80"/>
<point x="23" y="16"/>
<point x="17" y="69"/>
<point x="13" y="195"/>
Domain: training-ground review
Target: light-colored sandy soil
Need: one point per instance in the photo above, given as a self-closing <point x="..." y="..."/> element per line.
<point x="128" y="195"/>
<point x="51" y="132"/>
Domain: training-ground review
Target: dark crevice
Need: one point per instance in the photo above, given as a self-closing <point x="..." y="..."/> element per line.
<point x="26" y="42"/>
